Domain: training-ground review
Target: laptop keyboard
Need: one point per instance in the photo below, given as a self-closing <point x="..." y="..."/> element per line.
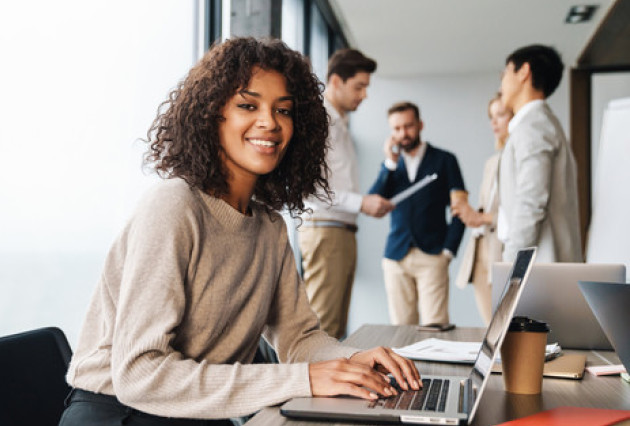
<point x="432" y="397"/>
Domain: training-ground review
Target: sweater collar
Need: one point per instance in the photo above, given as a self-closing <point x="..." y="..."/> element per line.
<point x="230" y="218"/>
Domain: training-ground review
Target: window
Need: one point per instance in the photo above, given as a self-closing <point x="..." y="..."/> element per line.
<point x="318" y="44"/>
<point x="81" y="84"/>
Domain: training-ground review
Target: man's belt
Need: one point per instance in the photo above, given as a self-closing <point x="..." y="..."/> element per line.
<point x="330" y="224"/>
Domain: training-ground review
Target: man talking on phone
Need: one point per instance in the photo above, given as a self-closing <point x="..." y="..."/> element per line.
<point x="421" y="243"/>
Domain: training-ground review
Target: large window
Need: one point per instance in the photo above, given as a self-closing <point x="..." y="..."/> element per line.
<point x="81" y="82"/>
<point x="293" y="24"/>
<point x="318" y="44"/>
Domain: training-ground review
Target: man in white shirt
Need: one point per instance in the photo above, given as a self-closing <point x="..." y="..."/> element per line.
<point x="327" y="236"/>
<point x="538" y="197"/>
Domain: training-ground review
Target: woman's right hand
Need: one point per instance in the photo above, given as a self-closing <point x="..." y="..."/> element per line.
<point x="471" y="217"/>
<point x="345" y="377"/>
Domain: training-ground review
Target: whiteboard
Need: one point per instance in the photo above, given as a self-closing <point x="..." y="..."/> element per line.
<point x="609" y="232"/>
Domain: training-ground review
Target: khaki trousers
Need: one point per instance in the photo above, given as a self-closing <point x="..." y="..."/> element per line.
<point x="481" y="281"/>
<point x="329" y="257"/>
<point x="417" y="288"/>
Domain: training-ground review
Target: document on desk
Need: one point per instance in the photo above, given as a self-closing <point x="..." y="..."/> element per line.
<point x="433" y="349"/>
<point x="439" y="350"/>
<point x="403" y="195"/>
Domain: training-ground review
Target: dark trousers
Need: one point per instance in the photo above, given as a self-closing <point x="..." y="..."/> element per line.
<point x="87" y="408"/>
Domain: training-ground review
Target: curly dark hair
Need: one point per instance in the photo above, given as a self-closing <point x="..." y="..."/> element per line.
<point x="183" y="139"/>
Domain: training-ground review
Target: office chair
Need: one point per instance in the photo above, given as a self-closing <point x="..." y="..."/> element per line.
<point x="33" y="387"/>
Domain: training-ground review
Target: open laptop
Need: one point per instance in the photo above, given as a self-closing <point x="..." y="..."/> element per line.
<point x="448" y="400"/>
<point x="610" y="303"/>
<point x="553" y="296"/>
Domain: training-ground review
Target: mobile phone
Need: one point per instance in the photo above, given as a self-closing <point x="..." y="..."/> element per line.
<point x="436" y="327"/>
<point x="396" y="149"/>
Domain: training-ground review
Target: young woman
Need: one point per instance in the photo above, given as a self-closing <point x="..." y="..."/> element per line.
<point x="484" y="248"/>
<point x="204" y="268"/>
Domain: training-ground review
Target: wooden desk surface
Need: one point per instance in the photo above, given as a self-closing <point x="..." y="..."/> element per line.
<point x="496" y="405"/>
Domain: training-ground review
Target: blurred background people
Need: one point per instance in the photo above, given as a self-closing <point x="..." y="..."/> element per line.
<point x="327" y="236"/>
<point x="484" y="246"/>
<point x="538" y="195"/>
<point x="421" y="243"/>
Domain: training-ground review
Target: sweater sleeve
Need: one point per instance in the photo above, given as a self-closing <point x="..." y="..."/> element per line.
<point x="148" y="373"/>
<point x="292" y="327"/>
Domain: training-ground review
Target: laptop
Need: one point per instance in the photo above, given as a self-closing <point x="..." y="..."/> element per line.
<point x="610" y="303"/>
<point x="448" y="400"/>
<point x="553" y="296"/>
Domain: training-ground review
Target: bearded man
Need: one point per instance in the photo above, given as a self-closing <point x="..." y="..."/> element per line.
<point x="421" y="243"/>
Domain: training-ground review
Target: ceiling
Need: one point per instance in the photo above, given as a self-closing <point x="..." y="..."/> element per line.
<point x="413" y="37"/>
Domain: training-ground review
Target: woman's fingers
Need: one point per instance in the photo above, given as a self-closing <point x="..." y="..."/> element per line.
<point x="384" y="359"/>
<point x="403" y="369"/>
<point x="361" y="375"/>
<point x="409" y="370"/>
<point x="344" y="377"/>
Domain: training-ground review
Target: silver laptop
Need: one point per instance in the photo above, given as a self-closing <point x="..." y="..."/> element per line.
<point x="610" y="303"/>
<point x="553" y="296"/>
<point x="448" y="400"/>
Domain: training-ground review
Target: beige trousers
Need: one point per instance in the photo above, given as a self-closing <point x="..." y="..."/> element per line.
<point x="417" y="282"/>
<point x="481" y="280"/>
<point x="329" y="257"/>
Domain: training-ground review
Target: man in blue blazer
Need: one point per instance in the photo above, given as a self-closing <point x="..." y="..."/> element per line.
<point x="421" y="243"/>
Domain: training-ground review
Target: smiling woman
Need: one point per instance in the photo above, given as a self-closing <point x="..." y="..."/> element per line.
<point x="219" y="91"/>
<point x="204" y="268"/>
<point x="255" y="131"/>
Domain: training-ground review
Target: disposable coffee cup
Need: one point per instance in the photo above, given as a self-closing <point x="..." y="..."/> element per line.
<point x="523" y="356"/>
<point x="458" y="196"/>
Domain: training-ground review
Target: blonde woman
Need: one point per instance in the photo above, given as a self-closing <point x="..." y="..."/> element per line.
<point x="484" y="247"/>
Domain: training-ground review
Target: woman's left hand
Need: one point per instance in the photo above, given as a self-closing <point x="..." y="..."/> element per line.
<point x="387" y="361"/>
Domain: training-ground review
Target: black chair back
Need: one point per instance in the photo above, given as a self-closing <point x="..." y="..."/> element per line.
<point x="33" y="386"/>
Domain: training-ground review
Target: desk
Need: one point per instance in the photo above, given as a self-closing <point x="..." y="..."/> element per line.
<point x="496" y="405"/>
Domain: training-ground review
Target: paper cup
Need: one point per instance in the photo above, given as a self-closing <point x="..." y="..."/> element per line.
<point x="523" y="356"/>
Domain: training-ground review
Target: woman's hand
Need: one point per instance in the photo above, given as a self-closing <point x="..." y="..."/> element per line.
<point x="471" y="217"/>
<point x="345" y="377"/>
<point x="363" y="374"/>
<point x="387" y="361"/>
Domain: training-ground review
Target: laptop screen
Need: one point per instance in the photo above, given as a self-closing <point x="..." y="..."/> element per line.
<point x="500" y="322"/>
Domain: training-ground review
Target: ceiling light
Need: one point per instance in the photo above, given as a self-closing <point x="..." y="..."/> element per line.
<point x="578" y="14"/>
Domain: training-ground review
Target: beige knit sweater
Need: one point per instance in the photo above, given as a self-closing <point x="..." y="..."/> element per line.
<point x="187" y="289"/>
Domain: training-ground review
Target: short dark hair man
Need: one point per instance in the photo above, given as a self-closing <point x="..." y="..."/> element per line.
<point x="538" y="197"/>
<point x="327" y="236"/>
<point x="420" y="243"/>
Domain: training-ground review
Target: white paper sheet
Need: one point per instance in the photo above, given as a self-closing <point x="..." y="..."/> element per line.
<point x="403" y="195"/>
<point x="433" y="349"/>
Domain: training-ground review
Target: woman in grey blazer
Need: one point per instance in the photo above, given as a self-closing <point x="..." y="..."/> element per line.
<point x="484" y="247"/>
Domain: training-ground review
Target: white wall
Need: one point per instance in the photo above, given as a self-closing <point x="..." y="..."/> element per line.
<point x="453" y="108"/>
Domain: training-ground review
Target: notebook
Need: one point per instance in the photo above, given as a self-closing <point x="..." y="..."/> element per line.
<point x="448" y="400"/>
<point x="610" y="303"/>
<point x="553" y="296"/>
<point x="565" y="366"/>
